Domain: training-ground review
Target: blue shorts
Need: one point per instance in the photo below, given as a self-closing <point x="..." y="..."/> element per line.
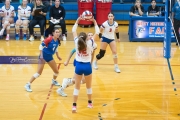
<point x="74" y="63"/>
<point x="47" y="57"/>
<point x="83" y="68"/>
<point x="107" y="40"/>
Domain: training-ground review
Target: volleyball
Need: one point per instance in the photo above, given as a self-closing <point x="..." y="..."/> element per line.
<point x="87" y="14"/>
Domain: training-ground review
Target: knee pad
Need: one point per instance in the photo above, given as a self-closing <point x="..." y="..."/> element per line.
<point x="25" y="27"/>
<point x="36" y="75"/>
<point x="8" y="27"/>
<point x="17" y="27"/>
<point x="89" y="90"/>
<point x="76" y="92"/>
<point x="101" y="54"/>
<point x="115" y="56"/>
<point x="56" y="74"/>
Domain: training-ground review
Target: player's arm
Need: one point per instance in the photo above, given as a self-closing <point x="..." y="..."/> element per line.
<point x="57" y="54"/>
<point x="69" y="57"/>
<point x="117" y="33"/>
<point x="75" y="27"/>
<point x="40" y="50"/>
<point x="94" y="48"/>
<point x="97" y="31"/>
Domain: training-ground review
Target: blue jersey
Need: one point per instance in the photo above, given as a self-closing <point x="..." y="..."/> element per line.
<point x="51" y="45"/>
<point x="176" y="11"/>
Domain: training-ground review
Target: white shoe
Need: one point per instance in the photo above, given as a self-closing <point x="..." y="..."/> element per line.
<point x="31" y="38"/>
<point x="67" y="82"/>
<point x="60" y="91"/>
<point x="54" y="82"/>
<point x="95" y="65"/>
<point x="7" y="37"/>
<point x="28" y="87"/>
<point x="116" y="69"/>
<point x="1" y="32"/>
<point x="64" y="38"/>
<point x="42" y="38"/>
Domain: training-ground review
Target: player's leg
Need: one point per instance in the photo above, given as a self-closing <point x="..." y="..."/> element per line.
<point x="54" y="67"/>
<point x="36" y="75"/>
<point x="115" y="57"/>
<point x="88" y="78"/>
<point x="25" y="26"/>
<point x="101" y="52"/>
<point x="17" y="27"/>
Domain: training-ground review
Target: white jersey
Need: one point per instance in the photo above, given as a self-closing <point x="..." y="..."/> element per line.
<point x="109" y="30"/>
<point x="25" y="11"/>
<point x="7" y="12"/>
<point x="84" y="56"/>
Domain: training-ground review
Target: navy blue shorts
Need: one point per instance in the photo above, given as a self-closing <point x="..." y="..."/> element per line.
<point x="104" y="39"/>
<point x="47" y="57"/>
<point x="83" y="68"/>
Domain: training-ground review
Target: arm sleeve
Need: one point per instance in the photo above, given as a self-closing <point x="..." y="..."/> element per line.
<point x="46" y="41"/>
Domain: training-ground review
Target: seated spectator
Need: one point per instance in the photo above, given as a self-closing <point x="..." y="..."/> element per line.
<point x="7" y="12"/>
<point x="57" y="13"/>
<point x="24" y="12"/>
<point x="153" y="10"/>
<point x="137" y="9"/>
<point x="46" y="3"/>
<point x="38" y="18"/>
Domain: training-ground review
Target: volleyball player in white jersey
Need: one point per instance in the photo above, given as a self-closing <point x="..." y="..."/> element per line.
<point x="24" y="12"/>
<point x="84" y="49"/>
<point x="7" y="12"/>
<point x="71" y="81"/>
<point x="108" y="28"/>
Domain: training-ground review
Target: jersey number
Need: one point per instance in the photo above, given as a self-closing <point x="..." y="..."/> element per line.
<point x="54" y="48"/>
<point x="110" y="30"/>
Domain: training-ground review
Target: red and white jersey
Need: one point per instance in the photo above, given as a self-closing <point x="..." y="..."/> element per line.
<point x="85" y="55"/>
<point x="26" y="11"/>
<point x="7" y="12"/>
<point x="109" y="30"/>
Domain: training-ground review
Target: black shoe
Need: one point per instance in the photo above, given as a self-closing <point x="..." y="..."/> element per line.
<point x="176" y="44"/>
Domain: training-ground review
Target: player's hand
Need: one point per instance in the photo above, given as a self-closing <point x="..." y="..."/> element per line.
<point x="91" y="19"/>
<point x="66" y="63"/>
<point x="118" y="40"/>
<point x="80" y="18"/>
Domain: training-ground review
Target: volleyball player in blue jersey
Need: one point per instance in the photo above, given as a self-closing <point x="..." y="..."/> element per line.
<point x="48" y="48"/>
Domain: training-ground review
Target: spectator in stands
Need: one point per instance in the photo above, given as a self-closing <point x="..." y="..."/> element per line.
<point x="57" y="15"/>
<point x="176" y="20"/>
<point x="137" y="9"/>
<point x="7" y="12"/>
<point x="153" y="10"/>
<point x="38" y="18"/>
<point x="24" y="12"/>
<point x="46" y="3"/>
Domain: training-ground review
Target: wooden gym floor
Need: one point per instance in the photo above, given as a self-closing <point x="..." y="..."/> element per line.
<point x="142" y="91"/>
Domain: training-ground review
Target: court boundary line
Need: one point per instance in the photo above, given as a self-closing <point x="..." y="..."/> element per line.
<point x="48" y="95"/>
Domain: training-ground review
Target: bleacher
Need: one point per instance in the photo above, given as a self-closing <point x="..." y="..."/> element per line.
<point x="121" y="11"/>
